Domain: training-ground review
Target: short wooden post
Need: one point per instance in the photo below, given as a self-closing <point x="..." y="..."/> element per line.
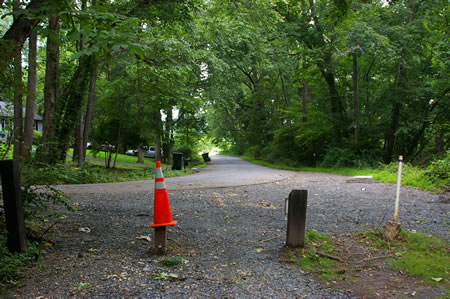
<point x="15" y="224"/>
<point x="296" y="218"/>
<point x="160" y="239"/>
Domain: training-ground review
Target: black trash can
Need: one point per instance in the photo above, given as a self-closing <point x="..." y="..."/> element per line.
<point x="186" y="162"/>
<point x="177" y="163"/>
<point x="206" y="157"/>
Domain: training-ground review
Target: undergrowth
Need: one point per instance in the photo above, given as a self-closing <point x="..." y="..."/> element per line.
<point x="91" y="174"/>
<point x="12" y="265"/>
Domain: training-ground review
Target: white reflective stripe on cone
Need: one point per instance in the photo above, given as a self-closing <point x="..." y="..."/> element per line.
<point x="159" y="173"/>
<point x="160" y="185"/>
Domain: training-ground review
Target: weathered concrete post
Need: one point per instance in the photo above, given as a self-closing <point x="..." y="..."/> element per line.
<point x="15" y="224"/>
<point x="296" y="218"/>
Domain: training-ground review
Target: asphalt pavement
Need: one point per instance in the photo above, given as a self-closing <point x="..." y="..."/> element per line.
<point x="222" y="171"/>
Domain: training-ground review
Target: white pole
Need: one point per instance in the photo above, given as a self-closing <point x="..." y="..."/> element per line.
<point x="399" y="178"/>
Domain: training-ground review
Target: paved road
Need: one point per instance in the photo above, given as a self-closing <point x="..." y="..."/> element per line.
<point x="222" y="171"/>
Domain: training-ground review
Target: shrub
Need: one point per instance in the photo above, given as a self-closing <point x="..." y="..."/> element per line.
<point x="438" y="171"/>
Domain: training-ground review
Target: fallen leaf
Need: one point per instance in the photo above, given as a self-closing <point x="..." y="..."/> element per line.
<point x="84" y="229"/>
<point x="258" y="250"/>
<point x="146" y="238"/>
<point x="436" y="278"/>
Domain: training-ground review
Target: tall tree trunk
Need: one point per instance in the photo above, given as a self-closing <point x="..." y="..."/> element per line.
<point x="305" y="91"/>
<point x="18" y="94"/>
<point x="117" y="142"/>
<point x="167" y="145"/>
<point x="157" y="117"/>
<point x="31" y="96"/>
<point x="305" y="95"/>
<point x="51" y="87"/>
<point x="77" y="147"/>
<point x="389" y="142"/>
<point x="356" y="97"/>
<point x="89" y="110"/>
<point x="71" y="103"/>
<point x="140" y="114"/>
<point x="78" y="144"/>
<point x="12" y="41"/>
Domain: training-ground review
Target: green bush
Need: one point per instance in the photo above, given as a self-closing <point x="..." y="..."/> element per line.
<point x="438" y="171"/>
<point x="187" y="151"/>
<point x="338" y="157"/>
<point x="37" y="137"/>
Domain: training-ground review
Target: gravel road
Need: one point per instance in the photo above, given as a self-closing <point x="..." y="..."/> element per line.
<point x="231" y="236"/>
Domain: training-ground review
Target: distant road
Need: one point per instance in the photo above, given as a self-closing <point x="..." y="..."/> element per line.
<point x="222" y="171"/>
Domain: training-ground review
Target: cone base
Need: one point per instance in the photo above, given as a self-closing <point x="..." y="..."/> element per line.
<point x="174" y="222"/>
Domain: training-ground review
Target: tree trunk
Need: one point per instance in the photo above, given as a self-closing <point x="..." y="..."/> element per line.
<point x="389" y="142"/>
<point x="51" y="87"/>
<point x="140" y="113"/>
<point x="305" y="95"/>
<point x="336" y="105"/>
<point x="117" y="143"/>
<point x="71" y="103"/>
<point x="78" y="144"/>
<point x="356" y="97"/>
<point x="18" y="107"/>
<point x="157" y="116"/>
<point x="167" y="144"/>
<point x="89" y="110"/>
<point x="13" y="39"/>
<point x="31" y="97"/>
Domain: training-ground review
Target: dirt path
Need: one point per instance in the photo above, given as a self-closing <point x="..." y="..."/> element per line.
<point x="230" y="238"/>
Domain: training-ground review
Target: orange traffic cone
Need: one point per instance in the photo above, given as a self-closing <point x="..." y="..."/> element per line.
<point x="161" y="210"/>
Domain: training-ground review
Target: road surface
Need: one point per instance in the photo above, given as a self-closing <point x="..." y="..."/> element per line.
<point x="222" y="171"/>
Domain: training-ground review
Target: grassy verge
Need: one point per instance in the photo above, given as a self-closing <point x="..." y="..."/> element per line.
<point x="12" y="265"/>
<point x="93" y="173"/>
<point x="418" y="255"/>
<point x="411" y="176"/>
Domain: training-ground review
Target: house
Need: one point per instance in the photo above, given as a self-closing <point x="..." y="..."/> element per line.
<point x="7" y="114"/>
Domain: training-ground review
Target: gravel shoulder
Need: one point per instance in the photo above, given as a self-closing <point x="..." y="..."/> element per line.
<point x="231" y="236"/>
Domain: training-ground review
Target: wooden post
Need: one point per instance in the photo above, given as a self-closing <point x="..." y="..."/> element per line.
<point x="160" y="239"/>
<point x="296" y="218"/>
<point x="15" y="224"/>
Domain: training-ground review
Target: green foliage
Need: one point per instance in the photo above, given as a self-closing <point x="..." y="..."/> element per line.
<point x="12" y="265"/>
<point x="37" y="137"/>
<point x="438" y="171"/>
<point x="432" y="178"/>
<point x="187" y="152"/>
<point x="173" y="261"/>
<point x="309" y="258"/>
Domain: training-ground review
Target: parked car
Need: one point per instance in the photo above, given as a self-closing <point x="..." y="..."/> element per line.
<point x="149" y="151"/>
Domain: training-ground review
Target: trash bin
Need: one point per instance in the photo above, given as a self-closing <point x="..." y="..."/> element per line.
<point x="177" y="163"/>
<point x="186" y="162"/>
<point x="206" y="157"/>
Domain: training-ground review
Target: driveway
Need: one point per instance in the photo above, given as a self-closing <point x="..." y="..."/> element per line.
<point x="222" y="171"/>
<point x="230" y="234"/>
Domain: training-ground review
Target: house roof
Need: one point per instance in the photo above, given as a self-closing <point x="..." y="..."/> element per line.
<point x="6" y="109"/>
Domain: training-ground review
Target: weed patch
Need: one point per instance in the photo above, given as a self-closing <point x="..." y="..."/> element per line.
<point x="368" y="266"/>
<point x="12" y="265"/>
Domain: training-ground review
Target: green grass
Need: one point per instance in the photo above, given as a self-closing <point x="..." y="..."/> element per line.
<point x="93" y="174"/>
<point x="312" y="259"/>
<point x="418" y="255"/>
<point x="411" y="176"/>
